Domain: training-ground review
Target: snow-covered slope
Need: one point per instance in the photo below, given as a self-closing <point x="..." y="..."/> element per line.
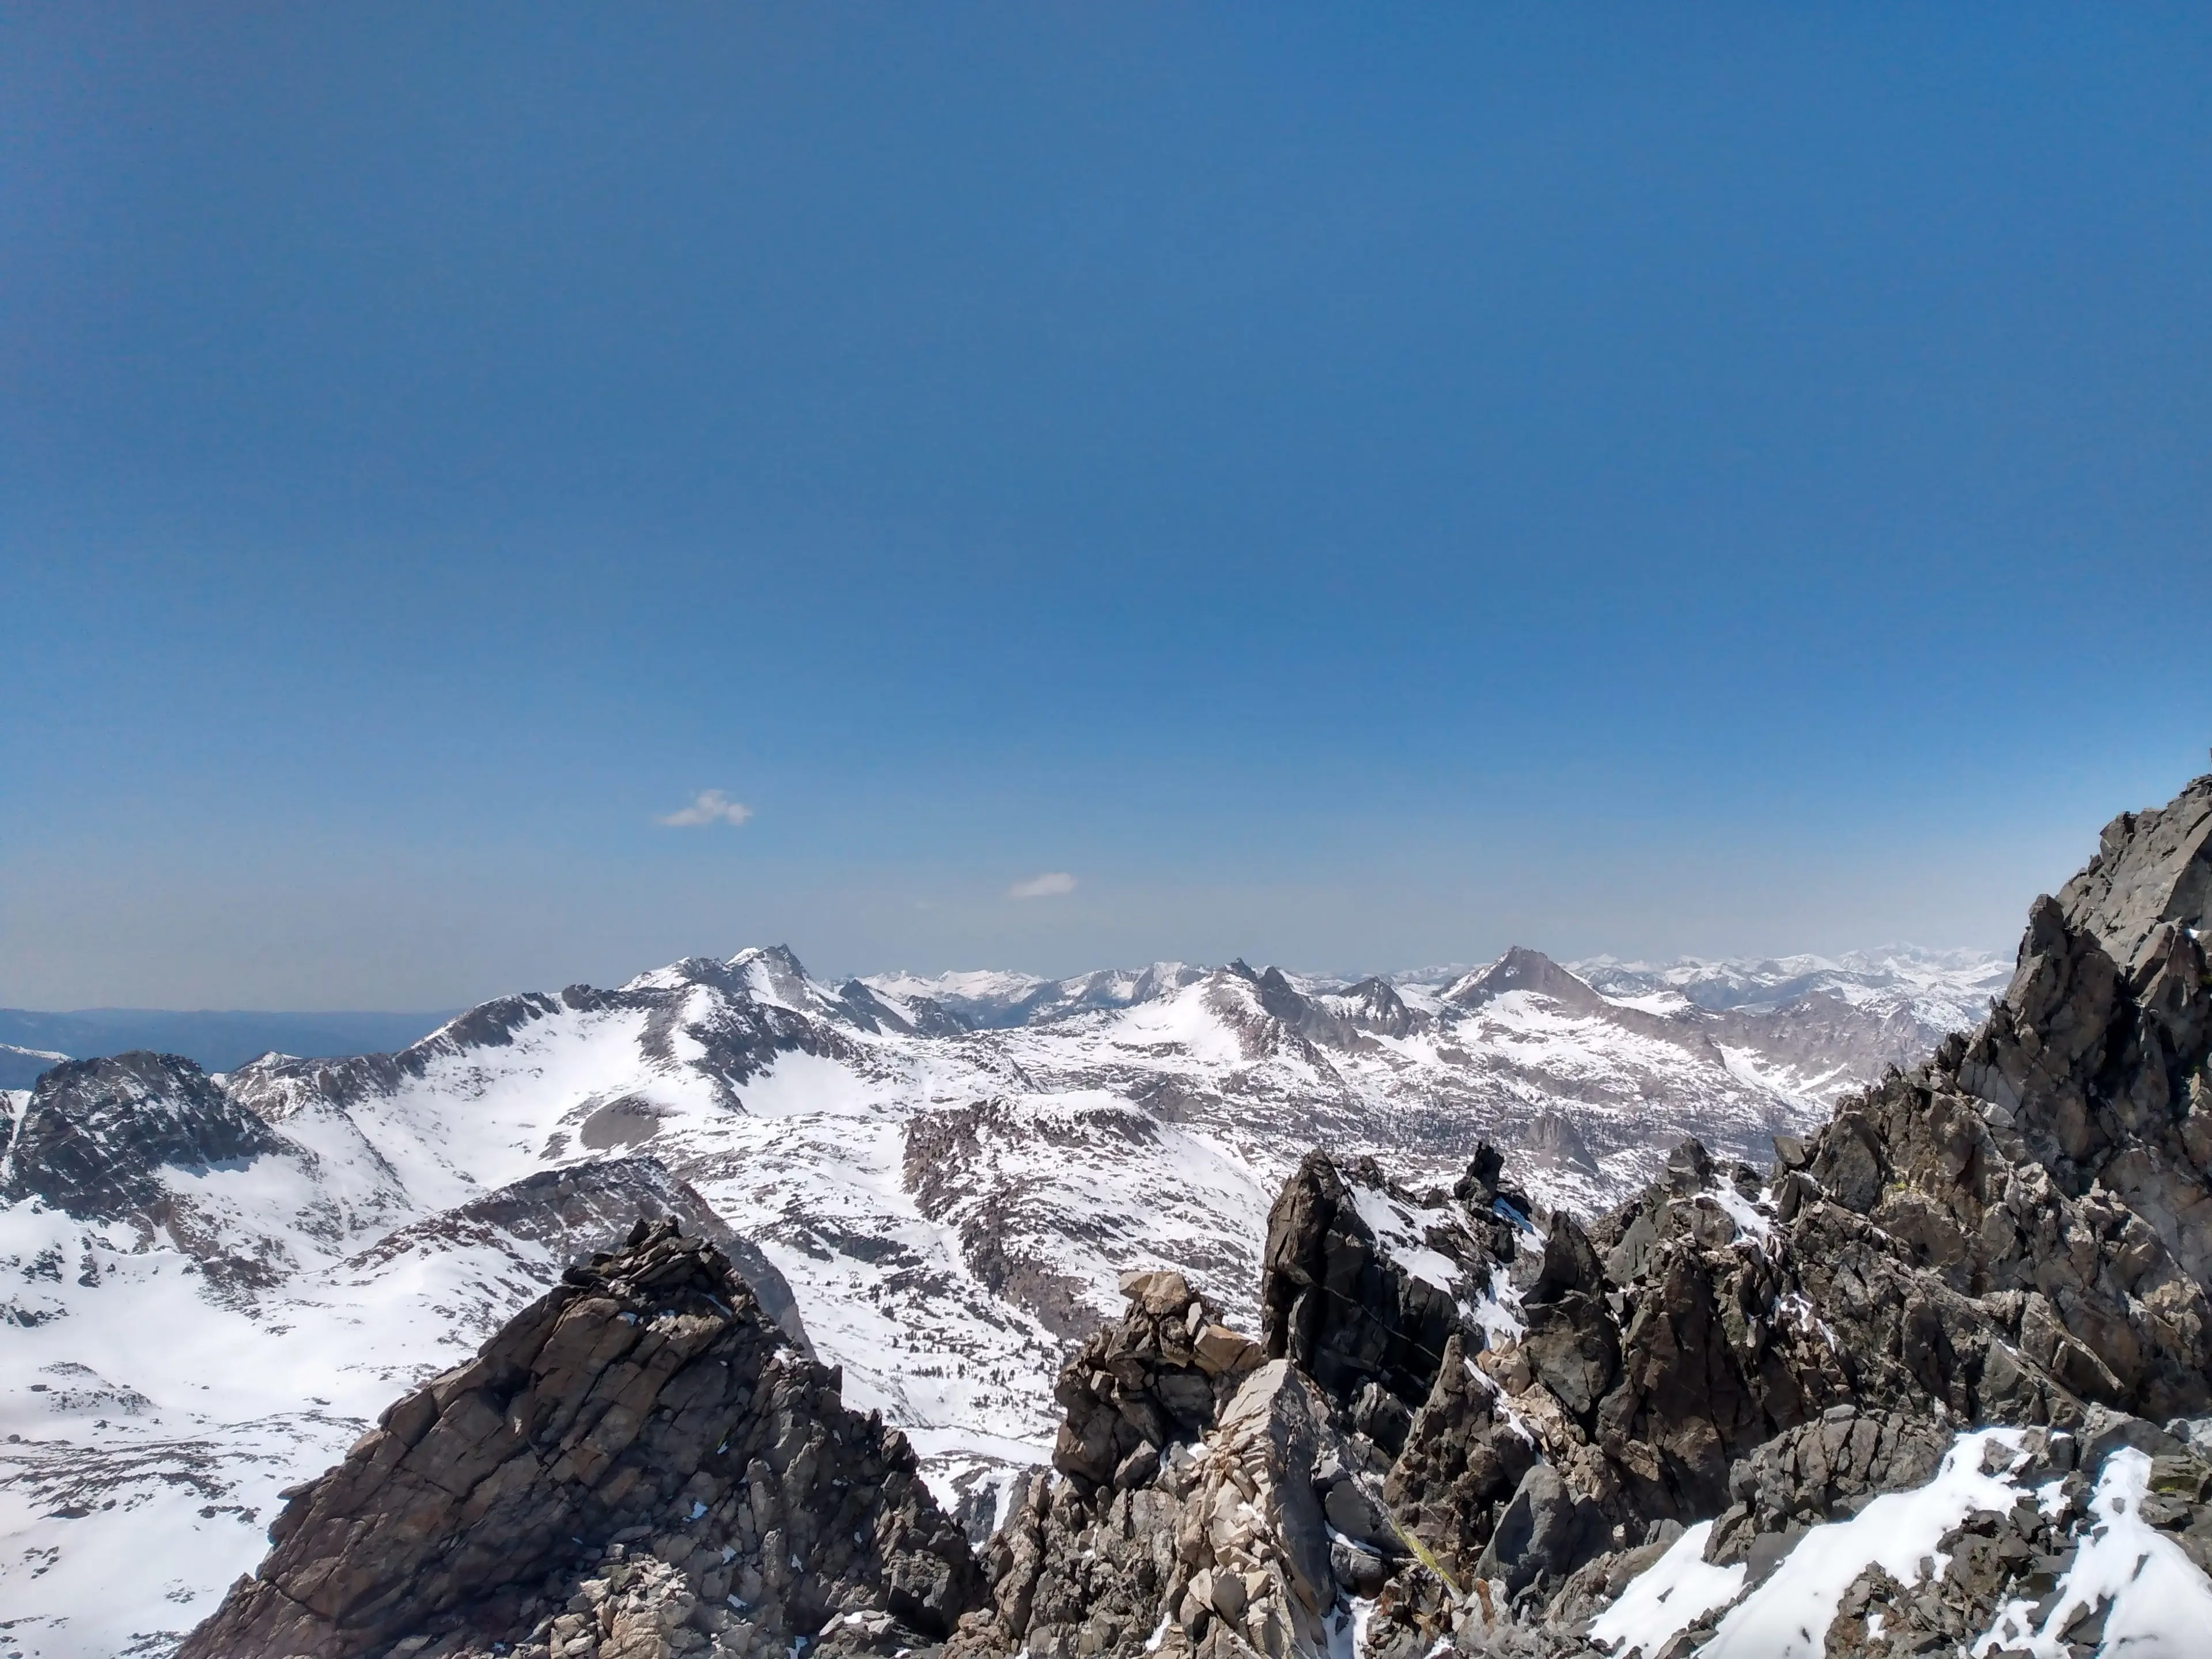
<point x="209" y="1285"/>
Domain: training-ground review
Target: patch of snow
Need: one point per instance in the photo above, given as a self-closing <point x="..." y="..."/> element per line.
<point x="1749" y="1218"/>
<point x="1498" y="1311"/>
<point x="1402" y="1231"/>
<point x="1666" y="1598"/>
<point x="2161" y="1603"/>
<point x="1788" y="1615"/>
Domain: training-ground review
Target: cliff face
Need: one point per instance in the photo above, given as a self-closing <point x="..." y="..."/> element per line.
<point x="641" y="1463"/>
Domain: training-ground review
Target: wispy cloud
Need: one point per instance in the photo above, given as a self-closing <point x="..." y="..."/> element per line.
<point x="1051" y="884"/>
<point x="712" y="806"/>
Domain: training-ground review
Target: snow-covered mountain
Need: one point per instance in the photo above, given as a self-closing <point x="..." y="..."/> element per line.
<point x="1944" y="990"/>
<point x="32" y="1042"/>
<point x="212" y="1283"/>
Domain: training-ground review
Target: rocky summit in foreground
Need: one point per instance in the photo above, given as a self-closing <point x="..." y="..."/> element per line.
<point x="641" y="1464"/>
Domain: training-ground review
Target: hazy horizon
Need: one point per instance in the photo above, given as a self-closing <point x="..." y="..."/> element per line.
<point x="837" y="974"/>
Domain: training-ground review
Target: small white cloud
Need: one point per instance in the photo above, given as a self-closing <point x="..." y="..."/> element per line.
<point x="1051" y="884"/>
<point x="713" y="806"/>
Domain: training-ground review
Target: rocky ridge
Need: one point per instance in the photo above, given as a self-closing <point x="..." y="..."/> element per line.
<point x="201" y="1313"/>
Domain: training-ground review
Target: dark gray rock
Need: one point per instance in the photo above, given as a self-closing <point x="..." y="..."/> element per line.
<point x="1571" y="1264"/>
<point x="96" y="1134"/>
<point x="1338" y="1307"/>
<point x="1463" y="1459"/>
<point x="1546" y="1528"/>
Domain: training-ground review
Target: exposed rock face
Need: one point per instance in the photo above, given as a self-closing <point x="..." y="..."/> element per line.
<point x="1464" y="1458"/>
<point x="1215" y="1503"/>
<point x="1823" y="1470"/>
<point x="640" y="1464"/>
<point x="1248" y="1541"/>
<point x="1149" y="1382"/>
<point x="97" y="1132"/>
<point x="2096" y="1058"/>
<point x="1340" y="1306"/>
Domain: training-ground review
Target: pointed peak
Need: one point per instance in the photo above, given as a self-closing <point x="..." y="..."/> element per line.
<point x="773" y="973"/>
<point x="779" y="956"/>
<point x="1522" y="968"/>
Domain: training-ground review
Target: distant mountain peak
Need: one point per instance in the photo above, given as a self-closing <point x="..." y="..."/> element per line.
<point x="1523" y="969"/>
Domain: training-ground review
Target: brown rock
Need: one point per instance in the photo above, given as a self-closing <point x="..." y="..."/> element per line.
<point x="648" y="1393"/>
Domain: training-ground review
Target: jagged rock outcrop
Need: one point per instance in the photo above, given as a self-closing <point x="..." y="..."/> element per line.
<point x="1153" y="1380"/>
<point x="1223" y="1497"/>
<point x="2014" y="1231"/>
<point x="640" y="1464"/>
<point x="1230" y="1545"/>
<point x="2096" y="1057"/>
<point x="1823" y="1470"/>
<point x="1464" y="1458"/>
<point x="1339" y="1301"/>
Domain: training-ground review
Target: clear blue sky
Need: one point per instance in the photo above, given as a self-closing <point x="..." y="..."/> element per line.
<point x="1350" y="486"/>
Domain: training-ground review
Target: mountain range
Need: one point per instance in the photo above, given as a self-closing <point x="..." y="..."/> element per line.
<point x="1936" y="989"/>
<point x="936" y="1184"/>
<point x="1937" y="1379"/>
<point x="945" y="1177"/>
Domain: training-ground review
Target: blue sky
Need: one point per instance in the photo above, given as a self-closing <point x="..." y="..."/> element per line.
<point x="1346" y="486"/>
